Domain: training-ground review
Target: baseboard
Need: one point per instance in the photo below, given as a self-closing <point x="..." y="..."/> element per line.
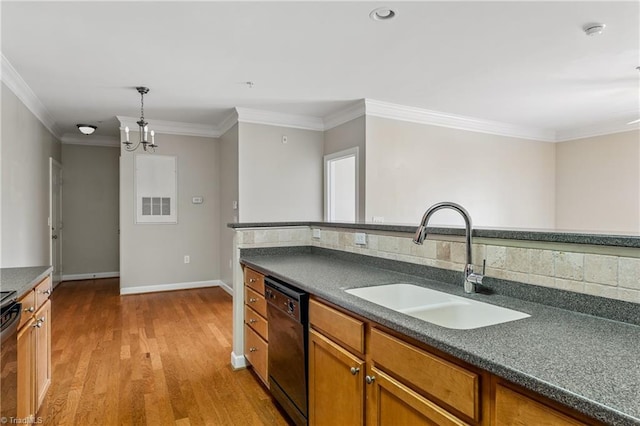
<point x="226" y="287"/>
<point x="90" y="276"/>
<point x="238" y="361"/>
<point x="170" y="287"/>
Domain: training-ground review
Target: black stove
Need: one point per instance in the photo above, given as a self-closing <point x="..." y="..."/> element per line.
<point x="7" y="298"/>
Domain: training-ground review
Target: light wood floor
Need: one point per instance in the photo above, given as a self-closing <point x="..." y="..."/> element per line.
<point x="152" y="359"/>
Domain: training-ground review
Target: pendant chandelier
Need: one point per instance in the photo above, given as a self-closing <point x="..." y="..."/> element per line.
<point x="143" y="129"/>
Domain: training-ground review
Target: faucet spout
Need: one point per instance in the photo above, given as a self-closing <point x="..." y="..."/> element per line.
<point x="470" y="278"/>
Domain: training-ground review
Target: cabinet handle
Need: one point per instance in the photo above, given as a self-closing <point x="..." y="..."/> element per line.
<point x="47" y="292"/>
<point x="30" y="309"/>
<point x="42" y="319"/>
<point x="38" y="324"/>
<point x="252" y="320"/>
<point x="252" y="300"/>
<point x="252" y="280"/>
<point x="369" y="379"/>
<point x="354" y="370"/>
<point x="252" y="349"/>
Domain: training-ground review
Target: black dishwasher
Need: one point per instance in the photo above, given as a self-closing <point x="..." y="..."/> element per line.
<point x="287" y="311"/>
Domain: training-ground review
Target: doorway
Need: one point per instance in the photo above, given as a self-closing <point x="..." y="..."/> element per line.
<point x="55" y="219"/>
<point x="341" y="186"/>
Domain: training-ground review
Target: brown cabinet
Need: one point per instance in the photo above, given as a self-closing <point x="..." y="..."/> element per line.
<point x="256" y="347"/>
<point x="336" y="384"/>
<point x="34" y="350"/>
<point x="517" y="407"/>
<point x="363" y="373"/>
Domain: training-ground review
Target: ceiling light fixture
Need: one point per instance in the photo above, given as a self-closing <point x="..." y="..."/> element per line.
<point x="143" y="129"/>
<point x="593" y="28"/>
<point x="86" y="129"/>
<point x="382" y="14"/>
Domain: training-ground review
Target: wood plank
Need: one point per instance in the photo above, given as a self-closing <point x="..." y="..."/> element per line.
<point x="149" y="359"/>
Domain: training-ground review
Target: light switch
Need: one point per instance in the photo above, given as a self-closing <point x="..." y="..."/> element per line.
<point x="360" y="238"/>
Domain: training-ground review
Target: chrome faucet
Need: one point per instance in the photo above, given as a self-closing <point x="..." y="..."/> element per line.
<point x="470" y="277"/>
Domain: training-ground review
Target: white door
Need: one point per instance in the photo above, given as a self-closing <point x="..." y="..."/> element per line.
<point x="341" y="186"/>
<point x="55" y="218"/>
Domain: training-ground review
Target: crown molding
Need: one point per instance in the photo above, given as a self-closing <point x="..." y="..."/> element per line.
<point x="344" y="115"/>
<point x="90" y="140"/>
<point x="423" y="116"/>
<point x="172" y="127"/>
<point x="21" y="89"/>
<point x="228" y="122"/>
<point x="256" y="116"/>
<point x="597" y="130"/>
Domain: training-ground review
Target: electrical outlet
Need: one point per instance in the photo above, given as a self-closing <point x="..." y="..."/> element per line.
<point x="316" y="233"/>
<point x="378" y="219"/>
<point x="284" y="139"/>
<point x="360" y="238"/>
<point x="187" y="259"/>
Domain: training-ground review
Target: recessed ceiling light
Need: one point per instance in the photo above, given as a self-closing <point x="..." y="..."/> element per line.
<point x="86" y="129"/>
<point x="593" y="28"/>
<point x="382" y="14"/>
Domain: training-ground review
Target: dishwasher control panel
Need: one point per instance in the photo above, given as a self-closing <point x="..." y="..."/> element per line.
<point x="285" y="298"/>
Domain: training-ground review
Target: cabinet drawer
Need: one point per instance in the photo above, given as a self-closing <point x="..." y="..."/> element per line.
<point x="43" y="290"/>
<point x="341" y="327"/>
<point x="254" y="279"/>
<point x="256" y="322"/>
<point x="256" y="301"/>
<point x="513" y="408"/>
<point x="28" y="307"/>
<point x="255" y="351"/>
<point x="443" y="380"/>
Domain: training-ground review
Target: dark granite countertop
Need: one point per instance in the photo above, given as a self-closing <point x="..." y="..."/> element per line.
<point x="582" y="361"/>
<point x="22" y="279"/>
<point x="507" y="234"/>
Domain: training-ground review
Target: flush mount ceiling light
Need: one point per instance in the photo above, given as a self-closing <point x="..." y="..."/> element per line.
<point x="382" y="14"/>
<point x="593" y="28"/>
<point x="143" y="129"/>
<point x="86" y="129"/>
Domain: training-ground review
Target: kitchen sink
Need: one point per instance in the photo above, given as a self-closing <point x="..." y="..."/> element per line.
<point x="437" y="307"/>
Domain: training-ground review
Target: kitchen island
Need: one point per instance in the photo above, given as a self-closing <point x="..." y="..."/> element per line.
<point x="582" y="361"/>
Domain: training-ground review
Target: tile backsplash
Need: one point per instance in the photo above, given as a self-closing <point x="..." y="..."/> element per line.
<point x="567" y="267"/>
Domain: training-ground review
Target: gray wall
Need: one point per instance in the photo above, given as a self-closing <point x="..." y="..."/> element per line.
<point x="351" y="134"/>
<point x="228" y="194"/>
<point x="25" y="151"/>
<point x="153" y="254"/>
<point x="279" y="182"/>
<point x="90" y="209"/>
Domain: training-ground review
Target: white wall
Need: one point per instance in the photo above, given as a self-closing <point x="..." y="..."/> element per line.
<point x="351" y="135"/>
<point x="90" y="209"/>
<point x="502" y="181"/>
<point x="25" y="151"/>
<point x="279" y="182"/>
<point x="598" y="183"/>
<point x="152" y="255"/>
<point x="228" y="179"/>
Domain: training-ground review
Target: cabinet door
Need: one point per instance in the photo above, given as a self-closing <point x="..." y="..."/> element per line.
<point x="392" y="403"/>
<point x="26" y="394"/>
<point x="42" y="352"/>
<point x="336" y="384"/>
<point x="515" y="409"/>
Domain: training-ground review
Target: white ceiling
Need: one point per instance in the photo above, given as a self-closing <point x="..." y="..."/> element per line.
<point x="523" y="63"/>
